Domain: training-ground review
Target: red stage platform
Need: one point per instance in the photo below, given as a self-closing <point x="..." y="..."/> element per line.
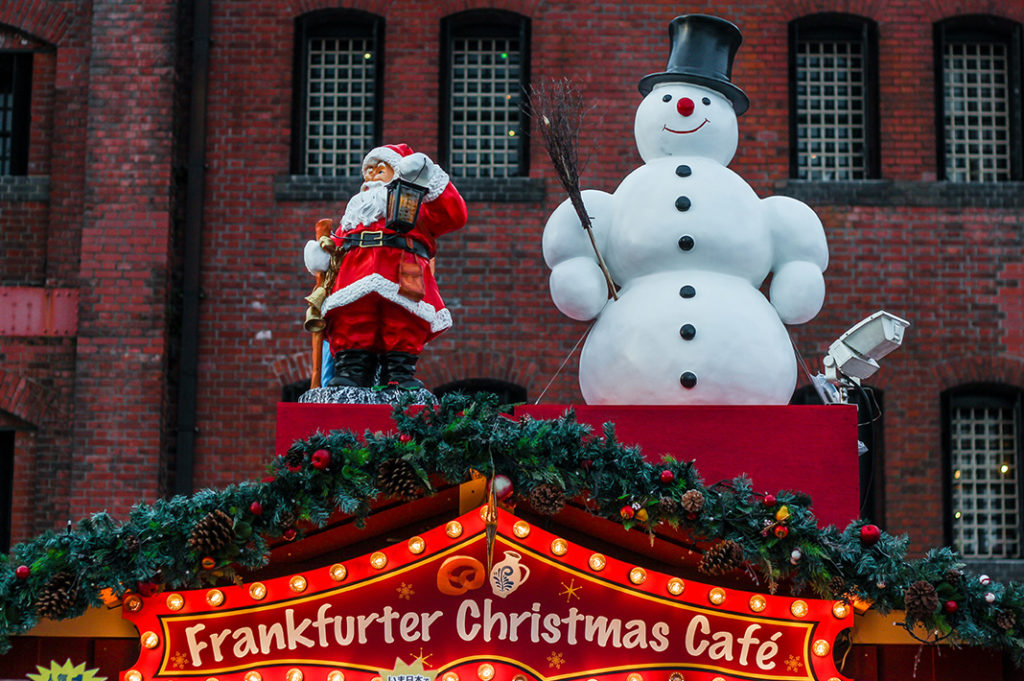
<point x="812" y="449"/>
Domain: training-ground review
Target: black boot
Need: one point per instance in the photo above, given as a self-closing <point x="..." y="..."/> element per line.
<point x="354" y="369"/>
<point x="397" y="369"/>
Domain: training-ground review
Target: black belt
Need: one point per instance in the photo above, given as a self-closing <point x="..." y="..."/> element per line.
<point x="379" y="238"/>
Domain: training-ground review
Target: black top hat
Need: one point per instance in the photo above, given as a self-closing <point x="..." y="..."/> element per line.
<point x="703" y="48"/>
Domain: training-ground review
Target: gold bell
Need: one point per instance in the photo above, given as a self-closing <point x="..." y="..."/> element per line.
<point x="314" y="322"/>
<point x="317" y="297"/>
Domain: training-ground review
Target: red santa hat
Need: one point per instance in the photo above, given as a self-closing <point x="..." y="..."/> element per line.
<point x="391" y="154"/>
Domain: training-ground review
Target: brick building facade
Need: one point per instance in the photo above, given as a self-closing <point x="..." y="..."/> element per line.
<point x="155" y="135"/>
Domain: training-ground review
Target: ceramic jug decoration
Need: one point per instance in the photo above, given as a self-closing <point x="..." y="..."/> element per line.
<point x="508" y="575"/>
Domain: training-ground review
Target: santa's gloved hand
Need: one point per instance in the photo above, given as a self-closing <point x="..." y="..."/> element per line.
<point x="317" y="260"/>
<point x="416" y="168"/>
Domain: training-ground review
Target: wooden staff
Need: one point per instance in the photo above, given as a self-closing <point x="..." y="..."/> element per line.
<point x="323" y="228"/>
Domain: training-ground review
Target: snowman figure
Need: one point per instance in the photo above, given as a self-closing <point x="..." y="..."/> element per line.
<point x="688" y="244"/>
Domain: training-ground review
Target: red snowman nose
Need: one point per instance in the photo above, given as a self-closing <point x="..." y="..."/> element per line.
<point x="685" y="106"/>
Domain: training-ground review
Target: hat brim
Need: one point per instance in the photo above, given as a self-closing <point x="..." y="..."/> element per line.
<point x="739" y="99"/>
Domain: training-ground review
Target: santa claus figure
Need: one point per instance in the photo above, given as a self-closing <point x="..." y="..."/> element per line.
<point x="384" y="304"/>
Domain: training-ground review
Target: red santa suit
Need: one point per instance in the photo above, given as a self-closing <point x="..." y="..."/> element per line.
<point x="368" y="308"/>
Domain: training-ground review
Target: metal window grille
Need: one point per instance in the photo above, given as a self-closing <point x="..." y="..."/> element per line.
<point x="830" y="110"/>
<point x="976" y="111"/>
<point x="985" y="483"/>
<point x="484" y="101"/>
<point x="6" y="113"/>
<point x="340" y="102"/>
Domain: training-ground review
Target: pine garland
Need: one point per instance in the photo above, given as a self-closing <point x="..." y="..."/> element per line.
<point x="450" y="441"/>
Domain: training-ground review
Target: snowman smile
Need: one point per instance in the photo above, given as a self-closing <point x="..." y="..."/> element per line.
<point x="686" y="132"/>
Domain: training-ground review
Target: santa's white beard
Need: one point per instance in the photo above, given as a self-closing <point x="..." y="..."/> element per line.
<point x="366" y="207"/>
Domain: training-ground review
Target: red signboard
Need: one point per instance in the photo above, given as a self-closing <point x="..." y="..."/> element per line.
<point x="430" y="608"/>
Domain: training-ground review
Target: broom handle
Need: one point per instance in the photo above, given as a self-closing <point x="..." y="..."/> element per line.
<point x="323" y="228"/>
<point x="576" y="198"/>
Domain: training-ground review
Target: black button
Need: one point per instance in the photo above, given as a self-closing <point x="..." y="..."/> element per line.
<point x="687" y="292"/>
<point x="683" y="171"/>
<point x="683" y="203"/>
<point x="688" y="379"/>
<point x="686" y="242"/>
<point x="687" y="331"/>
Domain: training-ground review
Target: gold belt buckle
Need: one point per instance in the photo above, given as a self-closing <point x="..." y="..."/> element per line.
<point x="370" y="239"/>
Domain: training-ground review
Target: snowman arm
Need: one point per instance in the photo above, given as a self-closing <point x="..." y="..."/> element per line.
<point x="801" y="255"/>
<point x="578" y="288"/>
<point x="564" y="237"/>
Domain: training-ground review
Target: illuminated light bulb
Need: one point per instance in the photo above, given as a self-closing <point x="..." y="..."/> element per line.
<point x="487" y="516"/>
<point x="675" y="676"/>
<point x="597" y="562"/>
<point x="1004" y="469"/>
<point x="521" y="529"/>
<point x="133" y="675"/>
<point x="453" y="529"/>
<point x="820" y="647"/>
<point x="367" y="55"/>
<point x="717" y="596"/>
<point x="417" y="545"/>
<point x="338" y="572"/>
<point x="559" y="547"/>
<point x="175" y="602"/>
<point x="253" y="676"/>
<point x="519" y="677"/>
<point x="638" y="575"/>
<point x="485" y="672"/>
<point x="957" y="515"/>
<point x="215" y="597"/>
<point x="634" y="677"/>
<point x="799" y="608"/>
<point x="956" y="475"/>
<point x="840" y="609"/>
<point x="293" y="674"/>
<point x="133" y="603"/>
<point x="297" y="584"/>
<point x="378" y="560"/>
<point x="258" y="591"/>
<point x="336" y="675"/>
<point x="150" y="640"/>
<point x="450" y="676"/>
<point x="758" y="603"/>
<point x="676" y="587"/>
<point x="511" y="133"/>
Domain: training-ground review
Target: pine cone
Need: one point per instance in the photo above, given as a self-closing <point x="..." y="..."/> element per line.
<point x="954" y="577"/>
<point x="693" y="501"/>
<point x="546" y="499"/>
<point x="397" y="477"/>
<point x="921" y="600"/>
<point x="130" y="543"/>
<point x="721" y="558"/>
<point x="668" y="507"/>
<point x="57" y="597"/>
<point x="1006" y="620"/>
<point x="212" y="533"/>
<point x="837" y="587"/>
<point x="293" y="457"/>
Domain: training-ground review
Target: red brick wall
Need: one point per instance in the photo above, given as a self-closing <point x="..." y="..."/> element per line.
<point x="950" y="266"/>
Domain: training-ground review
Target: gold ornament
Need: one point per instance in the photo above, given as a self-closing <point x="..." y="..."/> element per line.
<point x="782" y="513"/>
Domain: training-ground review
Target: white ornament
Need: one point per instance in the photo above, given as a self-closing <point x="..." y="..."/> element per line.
<point x="689" y="244"/>
<point x="990" y="597"/>
<point x="985" y="579"/>
<point x="795" y="557"/>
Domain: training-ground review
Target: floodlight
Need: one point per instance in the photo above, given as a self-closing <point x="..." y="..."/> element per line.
<point x="855" y="354"/>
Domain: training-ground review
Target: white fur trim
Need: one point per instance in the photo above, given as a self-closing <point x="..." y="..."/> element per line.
<point x="439" y="320"/>
<point x="436" y="182"/>
<point x="389" y="156"/>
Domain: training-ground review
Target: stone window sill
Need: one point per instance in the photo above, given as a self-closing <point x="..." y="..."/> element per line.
<point x="313" y="188"/>
<point x="24" y="188"/>
<point x="906" y="193"/>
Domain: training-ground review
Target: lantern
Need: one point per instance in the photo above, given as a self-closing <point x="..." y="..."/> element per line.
<point x="404" y="199"/>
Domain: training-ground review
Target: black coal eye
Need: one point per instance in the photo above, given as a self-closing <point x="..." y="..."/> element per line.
<point x="667" y="98"/>
<point x="705" y="101"/>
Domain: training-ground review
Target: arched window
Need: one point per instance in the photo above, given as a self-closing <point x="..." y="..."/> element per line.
<point x="978" y="76"/>
<point x="484" y="75"/>
<point x="982" y="438"/>
<point x="336" y="105"/>
<point x="833" y="98"/>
